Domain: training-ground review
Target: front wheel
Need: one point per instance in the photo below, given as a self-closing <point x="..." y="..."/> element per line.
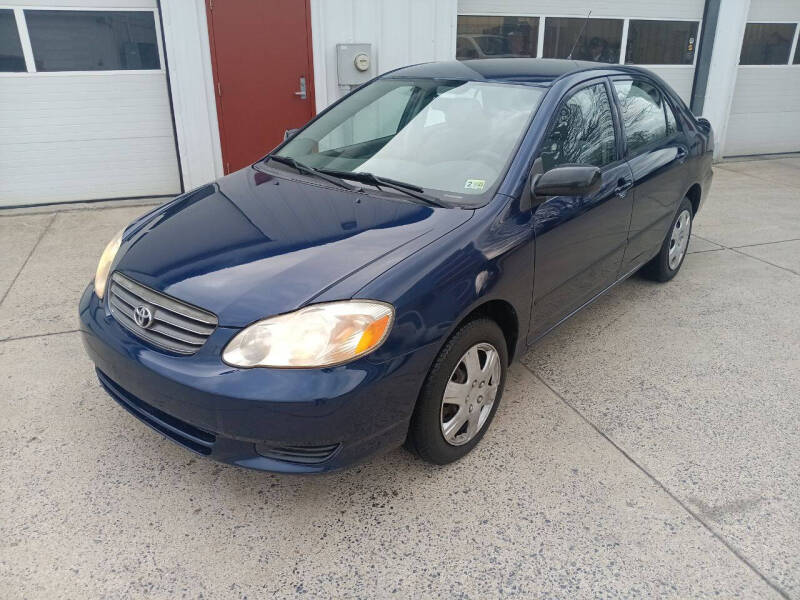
<point x="669" y="259"/>
<point x="461" y="393"/>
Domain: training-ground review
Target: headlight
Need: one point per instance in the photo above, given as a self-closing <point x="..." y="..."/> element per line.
<point x="104" y="266"/>
<point x="319" y="335"/>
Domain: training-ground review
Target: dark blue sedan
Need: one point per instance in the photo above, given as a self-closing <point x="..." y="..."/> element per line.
<point x="368" y="282"/>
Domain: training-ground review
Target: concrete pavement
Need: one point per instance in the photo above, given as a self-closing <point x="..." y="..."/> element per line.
<point x="648" y="447"/>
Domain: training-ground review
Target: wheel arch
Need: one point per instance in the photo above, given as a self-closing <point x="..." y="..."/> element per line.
<point x="501" y="312"/>
<point x="694" y="193"/>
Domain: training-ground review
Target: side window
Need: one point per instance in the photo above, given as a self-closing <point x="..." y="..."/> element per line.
<point x="672" y="124"/>
<point x="583" y="132"/>
<point x="644" y="118"/>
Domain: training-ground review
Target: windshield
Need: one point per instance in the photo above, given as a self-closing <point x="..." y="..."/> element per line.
<point x="451" y="138"/>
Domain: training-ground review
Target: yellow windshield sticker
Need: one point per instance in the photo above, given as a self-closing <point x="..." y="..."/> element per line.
<point x="474" y="184"/>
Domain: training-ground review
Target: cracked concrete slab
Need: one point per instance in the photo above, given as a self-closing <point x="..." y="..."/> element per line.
<point x="698" y="244"/>
<point x="95" y="504"/>
<point x="18" y="237"/>
<point x="782" y="254"/>
<point x="698" y="381"/>
<point x="677" y="477"/>
<point x="44" y="298"/>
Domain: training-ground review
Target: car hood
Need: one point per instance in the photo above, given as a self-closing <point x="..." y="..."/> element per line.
<point x="253" y="244"/>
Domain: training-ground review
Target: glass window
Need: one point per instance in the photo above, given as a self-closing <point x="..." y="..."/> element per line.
<point x="643" y="117"/>
<point x="89" y="40"/>
<point x="672" y="124"/>
<point x="375" y="121"/>
<point x="496" y="37"/>
<point x="455" y="138"/>
<point x="583" y="132"/>
<point x="767" y="44"/>
<point x="797" y="54"/>
<point x="599" y="42"/>
<point x="661" y="42"/>
<point x="11" y="58"/>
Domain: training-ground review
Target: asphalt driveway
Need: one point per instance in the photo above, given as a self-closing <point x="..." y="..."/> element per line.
<point x="650" y="447"/>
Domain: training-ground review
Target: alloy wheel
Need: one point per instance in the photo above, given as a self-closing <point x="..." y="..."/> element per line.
<point x="679" y="239"/>
<point x="470" y="394"/>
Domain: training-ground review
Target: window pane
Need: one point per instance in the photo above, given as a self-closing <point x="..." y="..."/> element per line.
<point x="672" y="124"/>
<point x="496" y="37"/>
<point x="642" y="113"/>
<point x="661" y="42"/>
<point x="599" y="42"/>
<point x="797" y="54"/>
<point x="454" y="137"/>
<point x="83" y="40"/>
<point x="373" y="122"/>
<point x="583" y="132"/>
<point x="767" y="44"/>
<point x="11" y="58"/>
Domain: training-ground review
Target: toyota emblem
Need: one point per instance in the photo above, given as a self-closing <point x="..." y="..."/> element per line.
<point x="143" y="317"/>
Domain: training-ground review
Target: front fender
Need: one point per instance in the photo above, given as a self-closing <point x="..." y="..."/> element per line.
<point x="488" y="258"/>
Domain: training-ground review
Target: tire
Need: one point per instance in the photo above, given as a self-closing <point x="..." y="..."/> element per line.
<point x="473" y="342"/>
<point x="663" y="266"/>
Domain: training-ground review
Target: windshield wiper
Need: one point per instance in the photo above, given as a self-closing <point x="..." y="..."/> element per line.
<point x="400" y="186"/>
<point x="311" y="171"/>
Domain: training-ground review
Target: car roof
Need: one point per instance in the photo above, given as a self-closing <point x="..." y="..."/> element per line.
<point x="533" y="70"/>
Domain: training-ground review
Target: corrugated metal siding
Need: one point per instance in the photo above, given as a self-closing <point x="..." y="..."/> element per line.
<point x="765" y="112"/>
<point x="675" y="9"/>
<point x="84" y="136"/>
<point x="401" y="33"/>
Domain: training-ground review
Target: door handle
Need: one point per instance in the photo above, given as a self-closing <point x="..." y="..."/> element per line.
<point x="302" y="91"/>
<point x="623" y="185"/>
<point x="682" y="153"/>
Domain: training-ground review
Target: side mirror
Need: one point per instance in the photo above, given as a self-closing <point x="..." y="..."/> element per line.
<point x="576" y="180"/>
<point x="289" y="133"/>
<point x="704" y="123"/>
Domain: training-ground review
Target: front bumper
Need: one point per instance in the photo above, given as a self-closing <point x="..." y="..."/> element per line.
<point x="239" y="416"/>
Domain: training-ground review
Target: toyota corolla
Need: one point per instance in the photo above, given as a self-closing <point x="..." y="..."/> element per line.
<point x="368" y="282"/>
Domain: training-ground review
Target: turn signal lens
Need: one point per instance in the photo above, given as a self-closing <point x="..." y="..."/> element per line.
<point x="104" y="266"/>
<point x="320" y="335"/>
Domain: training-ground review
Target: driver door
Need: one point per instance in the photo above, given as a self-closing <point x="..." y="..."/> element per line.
<point x="580" y="240"/>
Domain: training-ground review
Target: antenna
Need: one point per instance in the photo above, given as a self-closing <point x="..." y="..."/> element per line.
<point x="580" y="33"/>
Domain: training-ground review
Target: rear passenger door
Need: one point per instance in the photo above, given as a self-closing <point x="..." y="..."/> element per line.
<point x="580" y="240"/>
<point x="656" y="150"/>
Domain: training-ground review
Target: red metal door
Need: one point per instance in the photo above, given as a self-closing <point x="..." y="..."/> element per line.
<point x="261" y="54"/>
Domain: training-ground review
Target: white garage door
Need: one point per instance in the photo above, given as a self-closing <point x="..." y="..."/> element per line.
<point x="84" y="107"/>
<point x="661" y="36"/>
<point x="765" y="111"/>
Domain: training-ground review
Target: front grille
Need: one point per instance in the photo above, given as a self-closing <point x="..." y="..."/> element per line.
<point x="176" y="326"/>
<point x="187" y="435"/>
<point x="306" y="455"/>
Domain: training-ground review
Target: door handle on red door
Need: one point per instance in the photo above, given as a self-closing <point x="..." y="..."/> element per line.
<point x="302" y="91"/>
<point x="623" y="185"/>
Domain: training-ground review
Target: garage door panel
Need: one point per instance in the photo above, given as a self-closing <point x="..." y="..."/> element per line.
<point x="83" y="107"/>
<point x="765" y="111"/>
<point x="105" y="132"/>
<point x="763" y="133"/>
<point x="85" y="4"/>
<point x="43" y="172"/>
<point x="767" y="89"/>
<point x="679" y="78"/>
